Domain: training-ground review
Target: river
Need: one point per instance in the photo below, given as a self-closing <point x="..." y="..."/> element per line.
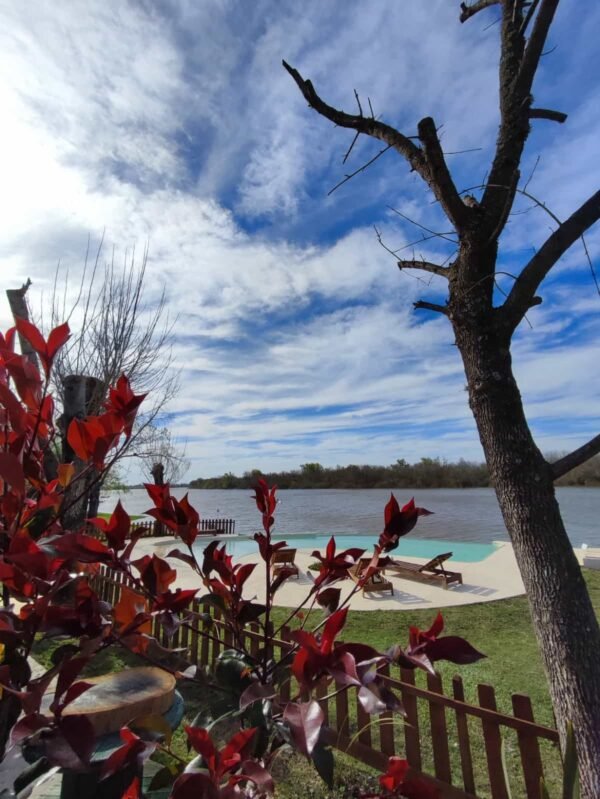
<point x="470" y="514"/>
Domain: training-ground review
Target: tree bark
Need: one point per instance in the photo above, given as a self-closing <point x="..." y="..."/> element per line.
<point x="80" y="394"/>
<point x="552" y="577"/>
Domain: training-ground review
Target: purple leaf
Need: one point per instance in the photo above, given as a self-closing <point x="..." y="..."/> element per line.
<point x="452" y="648"/>
<point x="305" y="720"/>
<point x="256" y="692"/>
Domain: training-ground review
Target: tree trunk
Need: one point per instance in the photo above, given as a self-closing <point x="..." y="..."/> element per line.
<point x="79" y="394"/>
<point x="19" y="310"/>
<point x="551" y="574"/>
<point x="158" y="474"/>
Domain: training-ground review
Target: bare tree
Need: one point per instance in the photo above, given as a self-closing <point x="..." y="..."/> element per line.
<point x="563" y="616"/>
<point x="163" y="459"/>
<point x="115" y="330"/>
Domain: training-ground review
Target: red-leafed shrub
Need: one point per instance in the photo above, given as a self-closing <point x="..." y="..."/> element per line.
<point x="44" y="595"/>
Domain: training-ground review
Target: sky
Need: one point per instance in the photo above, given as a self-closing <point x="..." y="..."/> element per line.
<point x="173" y="126"/>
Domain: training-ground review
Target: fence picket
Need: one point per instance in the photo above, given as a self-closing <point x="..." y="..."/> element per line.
<point x="412" y="742"/>
<point x="439" y="732"/>
<point x="493" y="744"/>
<point x="464" y="743"/>
<point x="529" y="747"/>
<point x="386" y="725"/>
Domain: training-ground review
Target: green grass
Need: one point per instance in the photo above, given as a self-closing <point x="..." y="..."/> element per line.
<point x="502" y="630"/>
<point x="133" y="518"/>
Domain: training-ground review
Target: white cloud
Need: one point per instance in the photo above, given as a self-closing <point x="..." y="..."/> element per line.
<point x="178" y="127"/>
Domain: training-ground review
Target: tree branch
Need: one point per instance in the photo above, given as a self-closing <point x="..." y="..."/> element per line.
<point x="523" y="292"/>
<point x="518" y="65"/>
<point x="576" y="458"/>
<point x="430" y="306"/>
<point x="455" y="208"/>
<point x="546" y="113"/>
<point x="535" y="46"/>
<point x="466" y="12"/>
<point x="425" y="266"/>
<point x="426" y="163"/>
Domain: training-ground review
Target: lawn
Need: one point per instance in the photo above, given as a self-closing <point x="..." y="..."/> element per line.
<point x="502" y="630"/>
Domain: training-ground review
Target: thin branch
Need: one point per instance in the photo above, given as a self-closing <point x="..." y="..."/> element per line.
<point x="523" y="292"/>
<point x="546" y="113"/>
<point x="430" y="166"/>
<point x="576" y="458"/>
<point x="430" y="306"/>
<point x="360" y="169"/>
<point x="466" y="12"/>
<point x="426" y="229"/>
<point x="532" y="173"/>
<point x="345" y="158"/>
<point x="391" y="252"/>
<point x="360" y="111"/>
<point x="425" y="266"/>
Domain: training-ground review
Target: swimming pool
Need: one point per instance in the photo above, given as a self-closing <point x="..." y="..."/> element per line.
<point x="463" y="551"/>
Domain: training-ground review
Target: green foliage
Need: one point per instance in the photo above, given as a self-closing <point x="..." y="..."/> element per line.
<point x="427" y="473"/>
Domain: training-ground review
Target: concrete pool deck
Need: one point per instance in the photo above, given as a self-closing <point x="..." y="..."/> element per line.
<point x="495" y="577"/>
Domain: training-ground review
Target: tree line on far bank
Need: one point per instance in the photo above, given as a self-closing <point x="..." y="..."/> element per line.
<point x="426" y="473"/>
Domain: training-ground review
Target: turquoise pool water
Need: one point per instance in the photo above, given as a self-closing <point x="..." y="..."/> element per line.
<point x="464" y="551"/>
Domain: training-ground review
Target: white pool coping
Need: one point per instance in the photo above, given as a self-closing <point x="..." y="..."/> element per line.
<point x="495" y="577"/>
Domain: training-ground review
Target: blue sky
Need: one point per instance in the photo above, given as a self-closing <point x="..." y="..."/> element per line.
<point x="173" y="124"/>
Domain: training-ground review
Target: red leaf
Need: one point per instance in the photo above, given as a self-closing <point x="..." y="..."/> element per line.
<point x="11" y="471"/>
<point x="32" y="334"/>
<point x="81" y="547"/>
<point x="134" y="750"/>
<point x="237" y="748"/>
<point x="332" y="627"/>
<point x="395" y="775"/>
<point x="305" y="720"/>
<point x="391" y="510"/>
<point x="57" y="338"/>
<point x="16" y="414"/>
<point x="133" y="792"/>
<point x="200" y="740"/>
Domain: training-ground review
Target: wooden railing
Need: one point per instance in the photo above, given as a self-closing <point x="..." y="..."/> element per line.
<point x="155" y="528"/>
<point x="456" y="746"/>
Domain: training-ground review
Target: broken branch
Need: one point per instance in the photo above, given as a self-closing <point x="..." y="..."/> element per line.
<point x="576" y="458"/>
<point x="430" y="306"/>
<point x="466" y="12"/>
<point x="546" y="113"/>
<point x="424" y="266"/>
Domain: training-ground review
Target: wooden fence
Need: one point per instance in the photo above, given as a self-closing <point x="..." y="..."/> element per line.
<point x="454" y="745"/>
<point x="214" y="526"/>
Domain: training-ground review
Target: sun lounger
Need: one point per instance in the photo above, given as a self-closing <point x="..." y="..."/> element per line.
<point x="375" y="584"/>
<point x="284" y="559"/>
<point x="432" y="572"/>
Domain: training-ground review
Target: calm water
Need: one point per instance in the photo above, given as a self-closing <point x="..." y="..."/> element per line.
<point x="460" y="514"/>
